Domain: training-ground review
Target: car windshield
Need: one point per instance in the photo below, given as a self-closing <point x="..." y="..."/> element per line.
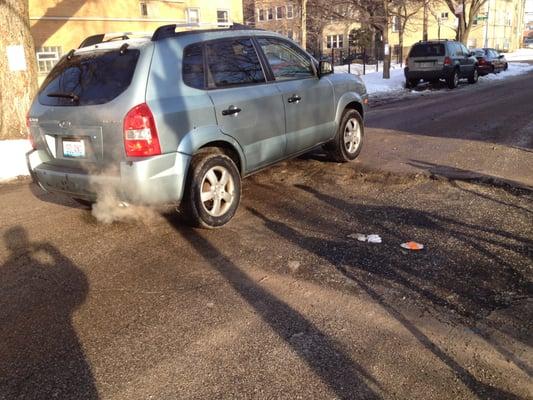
<point x="95" y="77"/>
<point x="427" y="50"/>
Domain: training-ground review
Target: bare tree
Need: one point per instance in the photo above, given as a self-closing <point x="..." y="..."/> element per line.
<point x="466" y="11"/>
<point x="18" y="69"/>
<point x="404" y="11"/>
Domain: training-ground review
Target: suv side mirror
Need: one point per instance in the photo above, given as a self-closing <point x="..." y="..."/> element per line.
<point x="324" y="68"/>
<point x="500" y="56"/>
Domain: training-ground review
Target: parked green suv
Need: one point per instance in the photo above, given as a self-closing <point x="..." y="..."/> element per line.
<point x="434" y="60"/>
<point x="181" y="117"/>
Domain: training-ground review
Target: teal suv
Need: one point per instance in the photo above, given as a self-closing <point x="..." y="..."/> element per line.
<point x="180" y="117"/>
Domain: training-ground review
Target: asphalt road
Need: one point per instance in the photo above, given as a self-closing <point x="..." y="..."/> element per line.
<point x="482" y="130"/>
<point x="282" y="303"/>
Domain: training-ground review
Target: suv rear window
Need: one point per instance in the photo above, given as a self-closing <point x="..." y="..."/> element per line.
<point x="89" y="78"/>
<point x="428" y="50"/>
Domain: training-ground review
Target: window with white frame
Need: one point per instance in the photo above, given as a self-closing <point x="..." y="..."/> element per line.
<point x="47" y="57"/>
<point x="260" y="14"/>
<point x="222" y="17"/>
<point x="334" y="41"/>
<point x="193" y="15"/>
<point x="396" y="24"/>
<point x="279" y="12"/>
<point x="270" y="14"/>
<point x="144" y="9"/>
<point x="290" y="11"/>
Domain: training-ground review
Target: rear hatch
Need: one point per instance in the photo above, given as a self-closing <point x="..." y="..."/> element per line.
<point x="426" y="56"/>
<point x="78" y="114"/>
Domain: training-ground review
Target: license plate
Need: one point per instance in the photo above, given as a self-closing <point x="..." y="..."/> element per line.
<point x="73" y="148"/>
<point x="426" y="64"/>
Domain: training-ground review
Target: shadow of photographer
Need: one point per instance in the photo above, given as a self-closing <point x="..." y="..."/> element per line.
<point x="40" y="354"/>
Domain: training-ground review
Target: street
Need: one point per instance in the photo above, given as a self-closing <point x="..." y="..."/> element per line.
<point x="284" y="303"/>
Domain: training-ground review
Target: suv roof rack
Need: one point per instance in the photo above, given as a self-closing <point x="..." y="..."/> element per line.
<point x="108" y="37"/>
<point x="166" y="31"/>
<point x="435" y="40"/>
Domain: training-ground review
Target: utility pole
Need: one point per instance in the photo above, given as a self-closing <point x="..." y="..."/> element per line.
<point x="425" y="22"/>
<point x="486" y="41"/>
<point x="304" y="24"/>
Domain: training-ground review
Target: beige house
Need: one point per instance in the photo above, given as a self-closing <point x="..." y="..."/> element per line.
<point x="498" y="25"/>
<point x="58" y="25"/>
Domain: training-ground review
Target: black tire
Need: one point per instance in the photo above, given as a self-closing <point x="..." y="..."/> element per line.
<point x="474" y="76"/>
<point x="411" y="83"/>
<point x="505" y="67"/>
<point x="85" y="203"/>
<point x="338" y="149"/>
<point x="453" y="79"/>
<point x="200" y="213"/>
<point x="493" y="70"/>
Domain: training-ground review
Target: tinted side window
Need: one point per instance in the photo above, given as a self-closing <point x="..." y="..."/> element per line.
<point x="233" y="62"/>
<point x="95" y="77"/>
<point x="286" y="60"/>
<point x="465" y="51"/>
<point x="193" y="66"/>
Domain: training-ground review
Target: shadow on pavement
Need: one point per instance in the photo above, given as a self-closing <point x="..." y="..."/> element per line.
<point x="40" y="354"/>
<point x="344" y="376"/>
<point x="318" y="247"/>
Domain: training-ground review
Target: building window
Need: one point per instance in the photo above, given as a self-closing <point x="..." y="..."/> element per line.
<point x="47" y="57"/>
<point x="279" y="12"/>
<point x="396" y="24"/>
<point x="270" y="14"/>
<point x="193" y="15"/>
<point x="144" y="9"/>
<point x="260" y="15"/>
<point x="444" y="16"/>
<point x="334" y="41"/>
<point x="222" y="17"/>
<point x="290" y="11"/>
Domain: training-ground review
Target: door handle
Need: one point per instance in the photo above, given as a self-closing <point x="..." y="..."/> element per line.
<point x="294" y="99"/>
<point x="231" y="110"/>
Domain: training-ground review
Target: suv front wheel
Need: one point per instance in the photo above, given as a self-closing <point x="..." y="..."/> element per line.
<point x="213" y="190"/>
<point x="474" y="76"/>
<point x="347" y="143"/>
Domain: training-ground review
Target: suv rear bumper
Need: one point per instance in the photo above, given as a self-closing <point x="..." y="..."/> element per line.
<point x="442" y="73"/>
<point x="152" y="181"/>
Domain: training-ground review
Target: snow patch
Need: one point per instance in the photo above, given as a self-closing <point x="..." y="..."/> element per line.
<point x="520" y="55"/>
<point x="13" y="159"/>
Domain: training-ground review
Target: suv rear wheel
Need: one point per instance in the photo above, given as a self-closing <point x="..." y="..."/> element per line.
<point x="213" y="190"/>
<point x="453" y="80"/>
<point x="348" y="141"/>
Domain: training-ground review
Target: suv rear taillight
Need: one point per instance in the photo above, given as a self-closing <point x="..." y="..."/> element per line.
<point x="30" y="138"/>
<point x="140" y="133"/>
<point x="447" y="61"/>
<point x="481" y="61"/>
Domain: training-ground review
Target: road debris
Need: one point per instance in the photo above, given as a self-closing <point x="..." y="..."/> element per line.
<point x="412" y="246"/>
<point x="373" y="238"/>
<point x="294" y="265"/>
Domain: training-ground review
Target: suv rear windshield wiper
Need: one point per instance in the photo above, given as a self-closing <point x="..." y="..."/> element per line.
<point x="71" y="96"/>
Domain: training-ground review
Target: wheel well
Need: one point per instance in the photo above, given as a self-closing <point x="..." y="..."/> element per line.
<point x="228" y="150"/>
<point x="354" y="105"/>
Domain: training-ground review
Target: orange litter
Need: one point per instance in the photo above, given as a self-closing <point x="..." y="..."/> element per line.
<point x="412" y="246"/>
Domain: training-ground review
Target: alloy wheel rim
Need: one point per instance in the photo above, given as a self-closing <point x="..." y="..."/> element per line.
<point x="352" y="135"/>
<point x="217" y="191"/>
<point x="456" y="79"/>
